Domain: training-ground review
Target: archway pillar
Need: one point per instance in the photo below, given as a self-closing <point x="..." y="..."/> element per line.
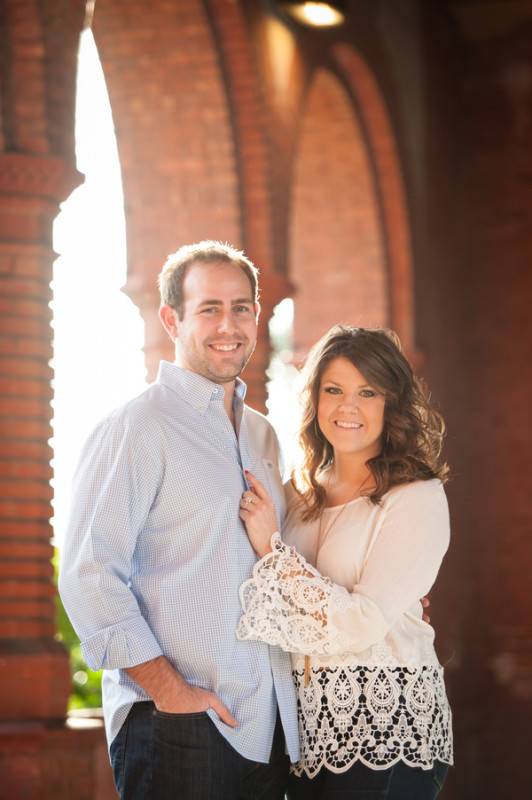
<point x="41" y="755"/>
<point x="35" y="674"/>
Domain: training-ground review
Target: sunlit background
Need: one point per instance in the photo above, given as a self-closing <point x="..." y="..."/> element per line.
<point x="98" y="331"/>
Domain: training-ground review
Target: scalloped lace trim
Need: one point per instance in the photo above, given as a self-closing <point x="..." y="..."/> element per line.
<point x="377" y="715"/>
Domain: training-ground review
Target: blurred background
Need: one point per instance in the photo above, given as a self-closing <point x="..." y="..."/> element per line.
<point x="374" y="158"/>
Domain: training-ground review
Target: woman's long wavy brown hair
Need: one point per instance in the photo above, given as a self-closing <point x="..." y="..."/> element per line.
<point x="413" y="431"/>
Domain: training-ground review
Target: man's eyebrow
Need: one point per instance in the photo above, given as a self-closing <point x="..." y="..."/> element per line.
<point x="236" y="302"/>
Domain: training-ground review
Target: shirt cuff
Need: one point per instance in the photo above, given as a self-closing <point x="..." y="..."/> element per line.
<point x="124" y="645"/>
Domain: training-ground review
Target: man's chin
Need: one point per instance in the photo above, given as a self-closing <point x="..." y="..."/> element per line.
<point x="227" y="375"/>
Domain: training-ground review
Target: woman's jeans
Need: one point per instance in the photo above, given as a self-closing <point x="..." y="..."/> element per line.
<point x="362" y="783"/>
<point x="158" y="756"/>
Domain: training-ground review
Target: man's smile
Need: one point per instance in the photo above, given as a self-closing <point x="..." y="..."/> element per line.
<point x="225" y="348"/>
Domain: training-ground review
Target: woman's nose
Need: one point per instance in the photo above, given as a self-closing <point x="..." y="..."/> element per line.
<point x="349" y="404"/>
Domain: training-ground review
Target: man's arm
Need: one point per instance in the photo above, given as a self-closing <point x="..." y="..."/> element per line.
<point x="115" y="486"/>
<point x="172" y="694"/>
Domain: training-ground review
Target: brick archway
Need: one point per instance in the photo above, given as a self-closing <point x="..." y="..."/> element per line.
<point x="253" y="160"/>
<point x="337" y="253"/>
<point x="175" y="140"/>
<point x="191" y="145"/>
<point x="382" y="145"/>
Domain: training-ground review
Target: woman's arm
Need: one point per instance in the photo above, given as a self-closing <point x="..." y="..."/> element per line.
<point x="288" y="602"/>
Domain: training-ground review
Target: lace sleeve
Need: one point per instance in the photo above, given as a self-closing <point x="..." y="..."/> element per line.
<point x="289" y="603"/>
<point x="286" y="603"/>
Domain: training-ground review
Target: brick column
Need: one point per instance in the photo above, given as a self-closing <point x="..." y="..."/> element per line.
<point x="35" y="671"/>
<point x="40" y="755"/>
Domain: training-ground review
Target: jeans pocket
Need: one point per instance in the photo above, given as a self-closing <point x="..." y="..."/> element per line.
<point x="177" y="715"/>
<point x="181" y="731"/>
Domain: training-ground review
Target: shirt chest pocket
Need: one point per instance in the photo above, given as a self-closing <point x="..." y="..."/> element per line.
<point x="268" y="474"/>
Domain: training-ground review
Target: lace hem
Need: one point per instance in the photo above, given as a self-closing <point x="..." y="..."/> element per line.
<point x="376" y="715"/>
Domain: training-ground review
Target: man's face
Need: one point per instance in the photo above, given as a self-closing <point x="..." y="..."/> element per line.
<point x="218" y="332"/>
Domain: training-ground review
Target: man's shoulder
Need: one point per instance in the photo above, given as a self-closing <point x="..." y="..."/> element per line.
<point x="140" y="411"/>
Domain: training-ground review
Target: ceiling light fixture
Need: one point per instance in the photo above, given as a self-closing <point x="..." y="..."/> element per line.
<point x="317" y="15"/>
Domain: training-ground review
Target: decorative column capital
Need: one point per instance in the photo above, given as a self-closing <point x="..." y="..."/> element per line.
<point x="34" y="176"/>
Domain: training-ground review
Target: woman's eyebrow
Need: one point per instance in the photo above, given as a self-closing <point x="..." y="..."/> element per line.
<point x="360" y="386"/>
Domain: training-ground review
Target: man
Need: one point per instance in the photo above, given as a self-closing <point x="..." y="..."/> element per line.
<point x="155" y="554"/>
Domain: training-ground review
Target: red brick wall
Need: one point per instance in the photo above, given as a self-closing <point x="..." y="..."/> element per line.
<point x="497" y="335"/>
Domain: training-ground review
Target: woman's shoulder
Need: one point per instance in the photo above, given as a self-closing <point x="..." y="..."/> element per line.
<point x="415" y="494"/>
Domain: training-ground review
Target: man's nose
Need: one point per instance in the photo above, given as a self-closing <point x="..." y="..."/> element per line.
<point x="226" y="323"/>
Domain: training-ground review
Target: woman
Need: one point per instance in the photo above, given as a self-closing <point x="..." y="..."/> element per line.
<point x="366" y="530"/>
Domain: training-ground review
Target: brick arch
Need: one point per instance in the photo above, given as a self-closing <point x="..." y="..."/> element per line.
<point x="336" y="248"/>
<point x="254" y="169"/>
<point x="174" y="136"/>
<point x="382" y="146"/>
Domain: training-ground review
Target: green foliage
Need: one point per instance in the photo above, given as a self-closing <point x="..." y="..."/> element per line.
<point x="86" y="684"/>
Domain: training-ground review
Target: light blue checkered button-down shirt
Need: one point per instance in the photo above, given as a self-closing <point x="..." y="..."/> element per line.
<point x="155" y="554"/>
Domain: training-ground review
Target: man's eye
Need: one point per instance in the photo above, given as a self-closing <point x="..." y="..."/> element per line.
<point x="210" y="310"/>
<point x="242" y="309"/>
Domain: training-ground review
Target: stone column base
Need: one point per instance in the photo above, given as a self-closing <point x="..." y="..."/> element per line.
<point x="44" y="761"/>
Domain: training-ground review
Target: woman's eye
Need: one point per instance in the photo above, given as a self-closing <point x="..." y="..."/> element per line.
<point x="367" y="393"/>
<point x="332" y="390"/>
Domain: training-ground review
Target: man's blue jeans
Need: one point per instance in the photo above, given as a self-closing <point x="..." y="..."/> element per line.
<point x="158" y="756"/>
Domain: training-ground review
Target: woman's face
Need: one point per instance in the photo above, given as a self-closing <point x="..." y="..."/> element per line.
<point x="350" y="410"/>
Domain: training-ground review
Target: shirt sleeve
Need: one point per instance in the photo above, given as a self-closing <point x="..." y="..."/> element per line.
<point x="289" y="603"/>
<point x="115" y="486"/>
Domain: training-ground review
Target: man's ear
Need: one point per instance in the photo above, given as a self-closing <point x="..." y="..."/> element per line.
<point x="169" y="320"/>
<point x="257" y="310"/>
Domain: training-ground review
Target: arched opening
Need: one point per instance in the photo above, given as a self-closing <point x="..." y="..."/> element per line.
<point x="98" y="332"/>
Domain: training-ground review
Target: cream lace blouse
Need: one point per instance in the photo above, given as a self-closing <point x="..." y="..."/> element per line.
<point x="375" y="690"/>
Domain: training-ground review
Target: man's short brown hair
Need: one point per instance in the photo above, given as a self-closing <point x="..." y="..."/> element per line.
<point x="174" y="271"/>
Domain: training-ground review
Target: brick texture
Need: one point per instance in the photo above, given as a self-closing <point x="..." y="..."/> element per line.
<point x="336" y="257"/>
<point x="40" y="756"/>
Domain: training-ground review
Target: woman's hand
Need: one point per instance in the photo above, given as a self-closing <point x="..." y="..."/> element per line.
<point x="257" y="512"/>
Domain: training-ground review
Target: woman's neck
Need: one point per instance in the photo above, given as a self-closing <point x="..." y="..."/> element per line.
<point x="349" y="470"/>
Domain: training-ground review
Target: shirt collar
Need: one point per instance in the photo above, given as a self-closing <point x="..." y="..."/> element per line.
<point x="197" y="390"/>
